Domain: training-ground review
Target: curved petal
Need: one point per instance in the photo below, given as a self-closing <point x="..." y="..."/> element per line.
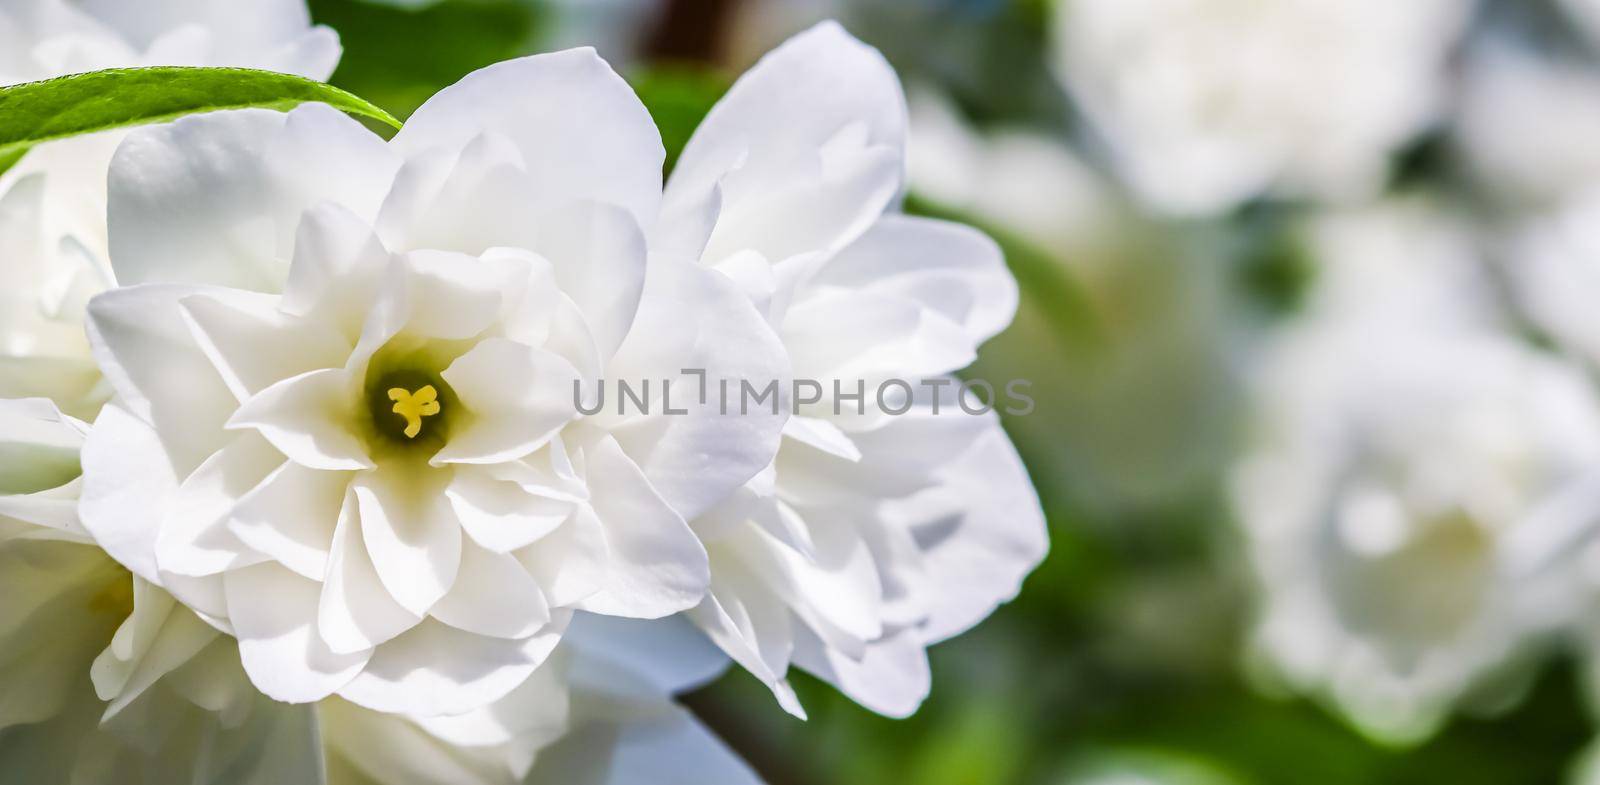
<point x="892" y="678"/>
<point x="144" y="347"/>
<point x="570" y="563"/>
<point x="655" y="565"/>
<point x="435" y="669"/>
<point x="501" y="515"/>
<point x="494" y="595"/>
<point x="216" y="198"/>
<point x="411" y="534"/>
<point x="253" y="345"/>
<point x="355" y="611"/>
<point x="949" y="268"/>
<point x="194" y="539"/>
<point x="127" y="486"/>
<point x="308" y="417"/>
<point x="582" y="133"/>
<point x="980" y="531"/>
<point x="816" y="108"/>
<point x="516" y="398"/>
<point x="696" y="320"/>
<point x="598" y="253"/>
<point x="274" y="614"/>
<point x="290" y="517"/>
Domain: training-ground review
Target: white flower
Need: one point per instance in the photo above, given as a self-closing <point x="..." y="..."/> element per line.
<point x="871" y="536"/>
<point x="1397" y="493"/>
<point x="53" y="202"/>
<point x="104" y="677"/>
<point x="345" y="429"/>
<point x="1208" y="103"/>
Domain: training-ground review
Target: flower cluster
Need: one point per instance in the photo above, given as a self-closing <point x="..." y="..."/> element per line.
<point x="338" y="512"/>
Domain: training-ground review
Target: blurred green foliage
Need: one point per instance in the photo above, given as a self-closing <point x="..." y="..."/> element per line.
<point x="397" y="58"/>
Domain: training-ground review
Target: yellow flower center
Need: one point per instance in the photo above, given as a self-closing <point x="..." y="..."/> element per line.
<point x="414" y="406"/>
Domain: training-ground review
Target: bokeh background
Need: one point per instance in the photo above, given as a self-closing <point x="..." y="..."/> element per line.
<point x="1310" y="304"/>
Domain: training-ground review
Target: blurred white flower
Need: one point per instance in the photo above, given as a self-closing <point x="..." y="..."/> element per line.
<point x="53" y="202"/>
<point x="345" y="429"/>
<point x="1206" y="104"/>
<point x="1553" y="265"/>
<point x="166" y="699"/>
<point x="1395" y="495"/>
<point x="1511" y="96"/>
<point x="1016" y="178"/>
<point x="871" y="536"/>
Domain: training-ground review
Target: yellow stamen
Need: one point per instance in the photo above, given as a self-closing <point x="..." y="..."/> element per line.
<point x="414" y="406"/>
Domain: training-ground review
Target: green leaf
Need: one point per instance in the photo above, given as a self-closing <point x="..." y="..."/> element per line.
<point x="11" y="155"/>
<point x="36" y="112"/>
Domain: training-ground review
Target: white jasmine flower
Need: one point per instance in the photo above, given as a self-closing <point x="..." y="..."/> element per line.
<point x="871" y="536"/>
<point x="166" y="699"/>
<point x="1395" y="495"/>
<point x="1208" y="103"/>
<point x="345" y="429"/>
<point x="53" y="202"/>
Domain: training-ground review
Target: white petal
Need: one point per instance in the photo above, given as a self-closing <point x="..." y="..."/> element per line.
<point x="753" y="627"/>
<point x="770" y="130"/>
<point x="454" y="296"/>
<point x="858" y="334"/>
<point x="696" y="319"/>
<point x="393" y="748"/>
<point x="338" y="264"/>
<point x="274" y="614"/>
<point x="146" y="350"/>
<point x="216" y="198"/>
<point x="950" y="268"/>
<point x="411" y="534"/>
<point x="655" y="565"/>
<point x="981" y="532"/>
<point x="582" y="132"/>
<point x="194" y="539"/>
<point x="355" y="611"/>
<point x="597" y="253"/>
<point x="493" y="595"/>
<point x="435" y="669"/>
<point x="309" y="417"/>
<point x="126" y="489"/>
<point x="180" y="637"/>
<point x="253" y="344"/>
<point x="500" y="514"/>
<point x="892" y="679"/>
<point x="516" y="398"/>
<point x="291" y="515"/>
<point x="570" y="563"/>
